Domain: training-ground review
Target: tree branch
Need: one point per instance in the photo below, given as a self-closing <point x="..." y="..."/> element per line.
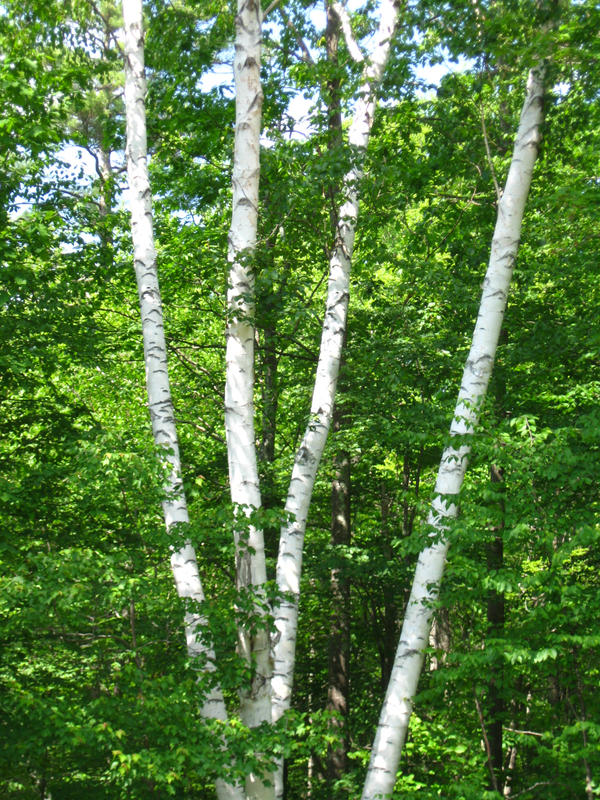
<point x="523" y="733"/>
<point x="270" y="8"/>
<point x="533" y="786"/>
<point x="351" y="43"/>
<point x="306" y="56"/>
<point x="488" y="749"/>
<point x="489" y="156"/>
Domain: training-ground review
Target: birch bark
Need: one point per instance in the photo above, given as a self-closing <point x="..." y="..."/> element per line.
<point x="397" y="707"/>
<point x="254" y="644"/>
<point x="160" y="404"/>
<point x="308" y="455"/>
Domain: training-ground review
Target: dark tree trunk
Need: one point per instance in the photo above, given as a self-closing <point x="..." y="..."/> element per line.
<point x="389" y="618"/>
<point x="270" y="398"/>
<point x="339" y="638"/>
<point x="495" y="710"/>
<point x="495" y="620"/>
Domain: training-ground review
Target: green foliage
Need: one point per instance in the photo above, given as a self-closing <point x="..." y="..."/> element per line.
<point x="97" y="694"/>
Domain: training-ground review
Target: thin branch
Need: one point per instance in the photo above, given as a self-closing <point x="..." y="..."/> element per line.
<point x="470" y="201"/>
<point x="195" y="368"/>
<point x="306" y="56"/>
<point x="533" y="786"/>
<point x="458" y="197"/>
<point x="76" y="196"/>
<point x="523" y="733"/>
<point x="95" y="8"/>
<point x="273" y="4"/>
<point x="488" y="749"/>
<point x="108" y="29"/>
<point x="489" y="156"/>
<point x="130" y="317"/>
<point x="94" y="155"/>
<point x="351" y="43"/>
<point x="195" y="345"/>
<point x="311" y="357"/>
<point x="195" y="424"/>
<point x="307" y="304"/>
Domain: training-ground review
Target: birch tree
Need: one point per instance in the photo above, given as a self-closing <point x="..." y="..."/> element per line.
<point x="239" y="408"/>
<point x="312" y="445"/>
<point x="308" y="455"/>
<point x="397" y="706"/>
<point x="160" y="404"/>
<point x="98" y="692"/>
<point x="239" y="386"/>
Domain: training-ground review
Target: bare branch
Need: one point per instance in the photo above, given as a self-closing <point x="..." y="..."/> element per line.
<point x="197" y="369"/>
<point x="306" y="56"/>
<point x="486" y="742"/>
<point x="273" y="4"/>
<point x="533" y="786"/>
<point x="524" y="733"/>
<point x="202" y="428"/>
<point x="489" y="156"/>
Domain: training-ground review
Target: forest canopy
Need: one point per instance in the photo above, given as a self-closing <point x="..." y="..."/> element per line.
<point x="253" y="547"/>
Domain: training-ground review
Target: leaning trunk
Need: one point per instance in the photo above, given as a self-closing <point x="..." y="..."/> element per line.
<point x="395" y="714"/>
<point x="308" y="455"/>
<point x="160" y="404"/>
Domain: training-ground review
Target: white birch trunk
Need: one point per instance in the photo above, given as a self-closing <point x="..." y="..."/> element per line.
<point x="289" y="562"/>
<point x="183" y="560"/>
<point x="255" y="702"/>
<point x="397" y="707"/>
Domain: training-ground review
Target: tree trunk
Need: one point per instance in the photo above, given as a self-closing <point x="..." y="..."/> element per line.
<point x="183" y="559"/>
<point x="495" y="620"/>
<point x="387" y="634"/>
<point x="395" y="714"/>
<point x="253" y="638"/>
<point x="308" y="455"/>
<point x="339" y="636"/>
<point x="339" y="633"/>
